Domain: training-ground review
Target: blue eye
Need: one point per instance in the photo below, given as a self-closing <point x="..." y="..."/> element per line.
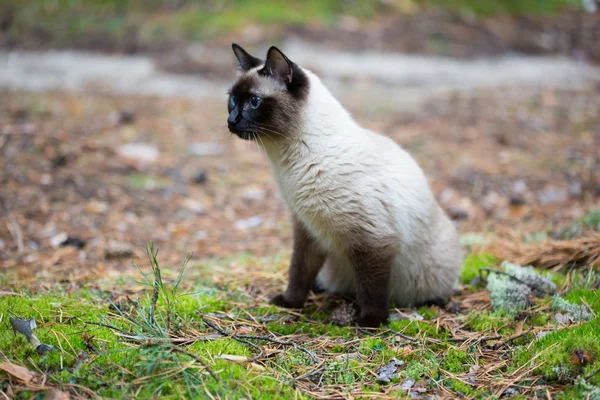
<point x="255" y="102"/>
<point x="232" y="101"/>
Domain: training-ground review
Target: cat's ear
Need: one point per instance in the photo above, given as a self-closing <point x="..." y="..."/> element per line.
<point x="246" y="61"/>
<point x="279" y="66"/>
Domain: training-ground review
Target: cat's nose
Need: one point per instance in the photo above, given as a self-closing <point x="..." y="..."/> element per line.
<point x="231" y="122"/>
<point x="233" y="119"/>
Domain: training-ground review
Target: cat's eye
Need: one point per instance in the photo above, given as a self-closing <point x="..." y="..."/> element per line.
<point x="232" y="101"/>
<point x="255" y="102"/>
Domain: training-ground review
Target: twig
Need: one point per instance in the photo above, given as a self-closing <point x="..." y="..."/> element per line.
<point x="197" y="359"/>
<point x="241" y="338"/>
<point x="4" y="293"/>
<point x="309" y="374"/>
<point x="112" y="327"/>
<point x="284" y="343"/>
<point x="510" y="339"/>
<point x="364" y="331"/>
<point x="224" y="333"/>
<point x="590" y="376"/>
<point x="484" y="340"/>
<point x="405" y="337"/>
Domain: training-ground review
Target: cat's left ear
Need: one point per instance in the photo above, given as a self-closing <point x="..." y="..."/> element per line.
<point x="279" y="66"/>
<point x="246" y="61"/>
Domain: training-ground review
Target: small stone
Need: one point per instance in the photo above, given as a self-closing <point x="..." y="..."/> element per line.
<point x="58" y="239"/>
<point x="139" y="152"/>
<point x="206" y="149"/>
<point x="460" y="208"/>
<point x="175" y="174"/>
<point x="453" y="307"/>
<point x="193" y="205"/>
<point x="116" y="249"/>
<point x="46" y="179"/>
<point x="253" y="193"/>
<point x="455" y="212"/>
<point x="76" y="242"/>
<point x="123" y="117"/>
<point x="96" y="207"/>
<point x="551" y="195"/>
<point x="249" y="223"/>
<point x="32" y="244"/>
<point x="201" y="235"/>
<point x="517" y="199"/>
<point x="575" y="189"/>
<point x="518" y="193"/>
<point x="491" y="202"/>
<point x="476" y="281"/>
<point x="200" y="177"/>
<point x="60" y="161"/>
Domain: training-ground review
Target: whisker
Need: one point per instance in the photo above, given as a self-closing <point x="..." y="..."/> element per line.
<point x="270" y="137"/>
<point x="278" y="133"/>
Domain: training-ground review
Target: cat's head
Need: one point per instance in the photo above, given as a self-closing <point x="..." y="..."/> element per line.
<point x="267" y="97"/>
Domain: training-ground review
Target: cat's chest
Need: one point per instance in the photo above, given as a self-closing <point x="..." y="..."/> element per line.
<point x="317" y="192"/>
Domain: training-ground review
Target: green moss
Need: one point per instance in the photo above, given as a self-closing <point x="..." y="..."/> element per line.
<point x="513" y="7"/>
<point x="486" y="321"/>
<point x="148" y="22"/>
<point x="418" y="328"/>
<point x="538" y="319"/>
<point x="554" y="350"/>
<point x="142" y="368"/>
<point x="473" y="263"/>
<point x="456" y="361"/>
<point x="463" y="389"/>
<point x="586" y="297"/>
<point x="426" y="367"/>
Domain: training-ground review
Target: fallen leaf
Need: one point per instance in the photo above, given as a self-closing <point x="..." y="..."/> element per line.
<point x="387" y="372"/>
<point x="519" y="328"/>
<point x="55" y="394"/>
<point x="17" y="371"/>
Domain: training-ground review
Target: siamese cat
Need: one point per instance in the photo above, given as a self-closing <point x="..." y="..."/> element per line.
<point x="365" y="220"/>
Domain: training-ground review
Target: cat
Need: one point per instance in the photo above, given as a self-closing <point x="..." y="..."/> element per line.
<point x="365" y="220"/>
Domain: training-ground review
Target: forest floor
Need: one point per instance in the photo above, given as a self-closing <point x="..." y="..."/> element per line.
<point x="517" y="167"/>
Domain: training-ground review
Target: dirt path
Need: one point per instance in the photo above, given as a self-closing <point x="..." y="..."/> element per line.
<point x="406" y="81"/>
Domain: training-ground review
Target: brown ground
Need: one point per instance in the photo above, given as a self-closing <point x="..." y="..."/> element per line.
<point x="508" y="161"/>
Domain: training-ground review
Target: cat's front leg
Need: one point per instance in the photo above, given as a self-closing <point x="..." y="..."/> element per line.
<point x="307" y="261"/>
<point x="372" y="265"/>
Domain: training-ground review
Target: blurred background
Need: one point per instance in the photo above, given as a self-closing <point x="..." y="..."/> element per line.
<point x="112" y="119"/>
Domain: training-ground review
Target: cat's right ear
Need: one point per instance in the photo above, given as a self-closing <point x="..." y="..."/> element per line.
<point x="247" y="62"/>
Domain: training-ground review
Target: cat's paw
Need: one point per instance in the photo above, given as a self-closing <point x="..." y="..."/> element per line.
<point x="371" y="321"/>
<point x="281" y="301"/>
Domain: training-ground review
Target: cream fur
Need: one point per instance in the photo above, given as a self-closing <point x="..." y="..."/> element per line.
<point x="335" y="176"/>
